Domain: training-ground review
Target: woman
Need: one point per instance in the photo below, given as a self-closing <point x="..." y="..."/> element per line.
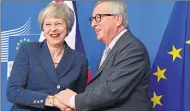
<point x="42" y="69"/>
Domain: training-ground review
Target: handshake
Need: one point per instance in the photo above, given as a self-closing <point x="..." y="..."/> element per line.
<point x="62" y="100"/>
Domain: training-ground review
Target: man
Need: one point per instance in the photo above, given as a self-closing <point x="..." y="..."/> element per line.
<point x="121" y="82"/>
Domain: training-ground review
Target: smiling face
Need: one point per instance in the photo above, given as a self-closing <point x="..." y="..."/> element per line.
<point x="55" y="31"/>
<point x="106" y="29"/>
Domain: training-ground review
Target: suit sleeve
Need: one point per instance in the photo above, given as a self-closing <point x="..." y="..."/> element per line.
<point x="82" y="81"/>
<point x="130" y="65"/>
<point x="16" y="92"/>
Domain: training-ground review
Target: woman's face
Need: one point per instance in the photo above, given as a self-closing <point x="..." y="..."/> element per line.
<point x="55" y="31"/>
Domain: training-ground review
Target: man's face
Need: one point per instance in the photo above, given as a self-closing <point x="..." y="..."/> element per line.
<point x="105" y="27"/>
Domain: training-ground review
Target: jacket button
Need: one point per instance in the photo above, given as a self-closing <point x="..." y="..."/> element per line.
<point x="58" y="86"/>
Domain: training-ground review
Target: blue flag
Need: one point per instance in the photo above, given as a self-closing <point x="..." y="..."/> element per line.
<point x="170" y="75"/>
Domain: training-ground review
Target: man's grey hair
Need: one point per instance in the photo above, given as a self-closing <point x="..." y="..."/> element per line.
<point x="59" y="11"/>
<point x="117" y="7"/>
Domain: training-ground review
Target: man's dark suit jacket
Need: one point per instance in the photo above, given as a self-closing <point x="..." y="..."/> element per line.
<point x="122" y="81"/>
<point x="34" y="76"/>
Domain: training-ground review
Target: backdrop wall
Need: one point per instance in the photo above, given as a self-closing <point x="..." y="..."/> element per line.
<point x="147" y="21"/>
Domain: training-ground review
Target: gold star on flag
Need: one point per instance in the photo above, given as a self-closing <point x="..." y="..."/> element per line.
<point x="175" y="53"/>
<point x="187" y="42"/>
<point x="160" y="73"/>
<point x="156" y="100"/>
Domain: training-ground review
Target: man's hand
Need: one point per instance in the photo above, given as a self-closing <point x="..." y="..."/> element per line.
<point x="60" y="105"/>
<point x="65" y="96"/>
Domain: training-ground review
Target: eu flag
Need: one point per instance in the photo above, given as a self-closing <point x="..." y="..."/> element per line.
<point x="170" y="75"/>
<point x="16" y="41"/>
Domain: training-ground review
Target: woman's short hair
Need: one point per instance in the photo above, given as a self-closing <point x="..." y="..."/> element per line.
<point x="59" y="11"/>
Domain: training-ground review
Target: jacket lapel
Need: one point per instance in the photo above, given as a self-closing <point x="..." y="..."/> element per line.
<point x="99" y="70"/>
<point x="46" y="62"/>
<point x="111" y="53"/>
<point x="66" y="61"/>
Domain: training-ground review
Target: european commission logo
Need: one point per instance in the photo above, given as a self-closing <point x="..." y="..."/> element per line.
<point x="11" y="41"/>
<point x="7" y="35"/>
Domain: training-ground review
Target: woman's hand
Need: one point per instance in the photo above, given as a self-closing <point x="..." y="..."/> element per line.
<point x="59" y="104"/>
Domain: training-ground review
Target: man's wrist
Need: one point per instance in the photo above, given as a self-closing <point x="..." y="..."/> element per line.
<point x="72" y="102"/>
<point x="49" y="101"/>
